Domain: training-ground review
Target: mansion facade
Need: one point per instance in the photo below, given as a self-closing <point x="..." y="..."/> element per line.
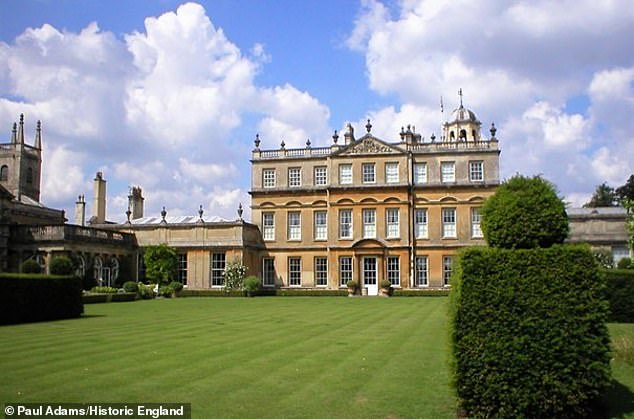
<point x="365" y="209"/>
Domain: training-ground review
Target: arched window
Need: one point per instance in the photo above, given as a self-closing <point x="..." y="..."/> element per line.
<point x="29" y="175"/>
<point x="80" y="270"/>
<point x="98" y="270"/>
<point x="114" y="267"/>
<point x="4" y="173"/>
<point x="473" y="132"/>
<point x="463" y="134"/>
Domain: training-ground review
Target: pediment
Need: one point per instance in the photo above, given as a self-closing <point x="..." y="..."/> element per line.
<point x="369" y="145"/>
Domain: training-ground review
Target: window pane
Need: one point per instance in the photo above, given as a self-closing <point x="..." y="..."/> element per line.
<point x="268" y="225"/>
<point x="294" y="226"/>
<point x="391" y="172"/>
<point x="393" y="270"/>
<point x="476" y="218"/>
<point x="268" y="272"/>
<point x="422" y="271"/>
<point x="321" y="271"/>
<point x="368" y="173"/>
<point x="294" y="176"/>
<point x="321" y="228"/>
<point x="182" y="268"/>
<point x="320" y="176"/>
<point x="369" y="223"/>
<point x="476" y="172"/>
<point x="217" y="269"/>
<point x="295" y="272"/>
<point x="345" y="174"/>
<point x="420" y="173"/>
<point x="448" y="171"/>
<point x="345" y="224"/>
<point x="449" y="222"/>
<point x="345" y="270"/>
<point x="447" y="263"/>
<point x="268" y="178"/>
<point x="421" y="228"/>
<point x="392" y="223"/>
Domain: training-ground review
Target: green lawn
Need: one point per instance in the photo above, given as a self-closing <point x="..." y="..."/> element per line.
<point x="259" y="357"/>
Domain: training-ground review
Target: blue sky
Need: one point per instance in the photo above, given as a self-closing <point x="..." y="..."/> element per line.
<point x="169" y="95"/>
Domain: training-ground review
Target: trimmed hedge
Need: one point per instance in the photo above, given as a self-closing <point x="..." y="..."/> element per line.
<point x="30" y="298"/>
<point x="265" y="292"/>
<point x="620" y="294"/>
<point x="528" y="332"/>
<point x="425" y="292"/>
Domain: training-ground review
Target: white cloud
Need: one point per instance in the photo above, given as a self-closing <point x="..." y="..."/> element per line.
<point x="206" y="172"/>
<point x="63" y="178"/>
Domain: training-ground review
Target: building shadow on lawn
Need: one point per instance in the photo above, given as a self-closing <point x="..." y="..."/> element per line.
<point x="618" y="402"/>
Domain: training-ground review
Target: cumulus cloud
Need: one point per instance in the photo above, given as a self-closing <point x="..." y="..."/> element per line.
<point x="156" y="108"/>
<point x="519" y="64"/>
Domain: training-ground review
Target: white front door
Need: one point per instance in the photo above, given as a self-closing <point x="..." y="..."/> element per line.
<point x="369" y="275"/>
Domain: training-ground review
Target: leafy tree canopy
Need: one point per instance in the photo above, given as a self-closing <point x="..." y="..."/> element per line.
<point x="161" y="263"/>
<point x="524" y="213"/>
<point x="626" y="192"/>
<point x="604" y="196"/>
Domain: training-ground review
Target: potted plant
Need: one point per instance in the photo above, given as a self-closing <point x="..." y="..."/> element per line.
<point x="386" y="287"/>
<point x="352" y="287"/>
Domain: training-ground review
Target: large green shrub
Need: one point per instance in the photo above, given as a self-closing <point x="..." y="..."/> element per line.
<point x="161" y="263"/>
<point x="61" y="265"/>
<point x="35" y="297"/>
<point x="176" y="286"/>
<point x="130" y="286"/>
<point x="528" y="332"/>
<point x="620" y="294"/>
<point x="625" y="263"/>
<point x="252" y="285"/>
<point x="524" y="213"/>
<point x="30" y="266"/>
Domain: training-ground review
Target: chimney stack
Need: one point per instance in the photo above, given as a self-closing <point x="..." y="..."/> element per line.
<point x="135" y="202"/>
<point x="80" y="211"/>
<point x="99" y="206"/>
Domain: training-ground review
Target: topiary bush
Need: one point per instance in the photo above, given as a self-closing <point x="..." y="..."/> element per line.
<point x="30" y="266"/>
<point x="524" y="213"/>
<point x="528" y="332"/>
<point x="146" y="292"/>
<point x="61" y="265"/>
<point x="130" y="286"/>
<point x="104" y="290"/>
<point x="176" y="286"/>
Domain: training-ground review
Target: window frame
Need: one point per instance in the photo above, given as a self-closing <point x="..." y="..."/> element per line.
<point x="345" y="178"/>
<point x="347" y="274"/>
<point x="424" y="273"/>
<point x="479" y="172"/>
<point x="320" y="228"/>
<point x="321" y="271"/>
<point x="393" y="177"/>
<point x="322" y="177"/>
<point x="215" y="272"/>
<point x="181" y="272"/>
<point x="476" y="223"/>
<point x="269" y="181"/>
<point x="294" y="177"/>
<point x="392" y="228"/>
<point x="266" y="272"/>
<point x="268" y="231"/>
<point x="350" y="225"/>
<point x="294" y="231"/>
<point x="447" y="269"/>
<point x="368" y="177"/>
<point x="369" y="226"/>
<point x="417" y="177"/>
<point x="294" y="275"/>
<point x="449" y="226"/>
<point x="421" y="225"/>
<point x="446" y="176"/>
<point x="394" y="270"/>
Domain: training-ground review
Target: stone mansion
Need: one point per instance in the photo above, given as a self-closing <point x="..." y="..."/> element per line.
<point x="362" y="208"/>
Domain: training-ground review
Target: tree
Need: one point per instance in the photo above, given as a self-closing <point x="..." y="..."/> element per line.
<point x="628" y="204"/>
<point x="161" y="263"/>
<point x="626" y="192"/>
<point x="61" y="265"/>
<point x="524" y="213"/>
<point x="604" y="196"/>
